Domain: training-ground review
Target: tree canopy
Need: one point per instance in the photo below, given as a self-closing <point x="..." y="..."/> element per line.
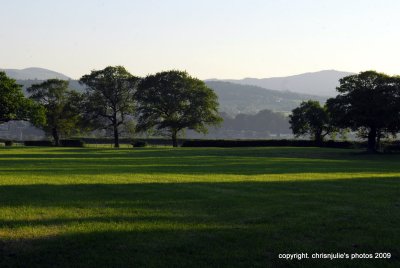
<point x="61" y="107"/>
<point x="368" y="102"/>
<point x="172" y="101"/>
<point x="265" y="121"/>
<point x="108" y="100"/>
<point x="14" y="105"/>
<point x="310" y="118"/>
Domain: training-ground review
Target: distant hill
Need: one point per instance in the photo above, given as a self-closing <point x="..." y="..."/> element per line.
<point x="73" y="84"/>
<point x="322" y="83"/>
<point x="34" y="73"/>
<point x="236" y="98"/>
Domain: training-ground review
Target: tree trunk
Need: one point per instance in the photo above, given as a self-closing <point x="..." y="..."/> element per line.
<point x="378" y="139"/>
<point x="116" y="136"/>
<point x="115" y="127"/>
<point x="372" y="140"/>
<point x="174" y="138"/>
<point x="318" y="138"/>
<point x="56" y="137"/>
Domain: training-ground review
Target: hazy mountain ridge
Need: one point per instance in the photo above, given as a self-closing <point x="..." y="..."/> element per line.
<point x="322" y="83"/>
<point x="73" y="84"/>
<point x="236" y="98"/>
<point x="34" y="73"/>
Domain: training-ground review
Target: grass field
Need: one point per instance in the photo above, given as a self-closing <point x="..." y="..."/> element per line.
<point x="196" y="207"/>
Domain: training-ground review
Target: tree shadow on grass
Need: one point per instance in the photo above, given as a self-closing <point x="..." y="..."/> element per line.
<point x="290" y="152"/>
<point x="252" y="161"/>
<point x="244" y="224"/>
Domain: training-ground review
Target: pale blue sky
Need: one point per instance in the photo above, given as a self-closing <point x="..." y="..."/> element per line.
<point x="208" y="38"/>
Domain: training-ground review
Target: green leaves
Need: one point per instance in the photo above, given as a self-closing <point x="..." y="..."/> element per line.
<point x="310" y="119"/>
<point x="109" y="99"/>
<point x="369" y="102"/>
<point x="14" y="105"/>
<point x="60" y="106"/>
<point x="173" y="101"/>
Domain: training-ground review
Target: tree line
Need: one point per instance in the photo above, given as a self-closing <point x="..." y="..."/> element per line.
<point x="164" y="103"/>
<point x="368" y="103"/>
<point x="260" y="125"/>
<point x="167" y="103"/>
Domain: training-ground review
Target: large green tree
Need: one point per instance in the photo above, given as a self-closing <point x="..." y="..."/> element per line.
<point x="172" y="101"/>
<point x="368" y="102"/>
<point x="61" y="105"/>
<point x="312" y="119"/>
<point x="14" y="105"/>
<point x="108" y="101"/>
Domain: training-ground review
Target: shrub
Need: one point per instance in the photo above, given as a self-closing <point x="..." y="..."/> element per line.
<point x="72" y="143"/>
<point x="38" y="143"/>
<point x="8" y="143"/>
<point x="139" y="144"/>
<point x="342" y="144"/>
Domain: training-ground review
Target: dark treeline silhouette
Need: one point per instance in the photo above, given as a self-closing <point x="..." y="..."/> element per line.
<point x="173" y="104"/>
<point x="368" y="103"/>
<point x="313" y="120"/>
<point x="264" y="124"/>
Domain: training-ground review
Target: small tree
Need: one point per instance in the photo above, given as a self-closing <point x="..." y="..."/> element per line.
<point x="311" y="119"/>
<point x="173" y="101"/>
<point x="14" y="105"/>
<point x="108" y="101"/>
<point x="61" y="105"/>
<point x="369" y="103"/>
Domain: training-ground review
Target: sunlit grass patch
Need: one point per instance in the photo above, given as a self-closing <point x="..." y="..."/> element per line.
<point x="194" y="207"/>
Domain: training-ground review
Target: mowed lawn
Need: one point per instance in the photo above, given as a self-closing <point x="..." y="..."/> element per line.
<point x="196" y="207"/>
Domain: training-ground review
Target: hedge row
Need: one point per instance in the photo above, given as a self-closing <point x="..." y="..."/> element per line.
<point x="64" y="143"/>
<point x="155" y="141"/>
<point x="8" y="143"/>
<point x="72" y="143"/>
<point x="266" y="143"/>
<point x="139" y="144"/>
<point x="80" y="142"/>
<point x="38" y="143"/>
